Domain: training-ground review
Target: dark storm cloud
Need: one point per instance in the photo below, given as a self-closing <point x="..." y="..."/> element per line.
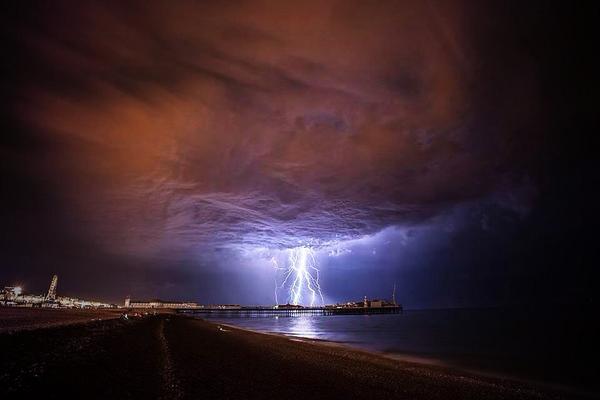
<point x="204" y="125"/>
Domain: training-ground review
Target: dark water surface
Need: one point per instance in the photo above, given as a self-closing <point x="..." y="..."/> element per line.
<point x="551" y="345"/>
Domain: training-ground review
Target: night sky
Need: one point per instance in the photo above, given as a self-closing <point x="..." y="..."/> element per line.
<point x="172" y="149"/>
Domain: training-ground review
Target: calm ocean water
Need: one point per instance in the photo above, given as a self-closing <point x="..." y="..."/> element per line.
<point x="551" y="345"/>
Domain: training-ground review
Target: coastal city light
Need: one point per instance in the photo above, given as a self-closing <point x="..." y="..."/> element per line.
<point x="15" y="296"/>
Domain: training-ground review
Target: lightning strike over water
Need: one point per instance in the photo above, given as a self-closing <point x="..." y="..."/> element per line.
<point x="299" y="278"/>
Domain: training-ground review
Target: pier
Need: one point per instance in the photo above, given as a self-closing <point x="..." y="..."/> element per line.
<point x="291" y="311"/>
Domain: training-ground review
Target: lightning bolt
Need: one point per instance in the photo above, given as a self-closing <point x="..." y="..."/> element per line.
<point x="300" y="277"/>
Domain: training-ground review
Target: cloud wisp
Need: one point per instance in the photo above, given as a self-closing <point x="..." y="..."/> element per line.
<point x="219" y="125"/>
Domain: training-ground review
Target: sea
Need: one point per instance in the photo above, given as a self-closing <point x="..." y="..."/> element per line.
<point x="544" y="344"/>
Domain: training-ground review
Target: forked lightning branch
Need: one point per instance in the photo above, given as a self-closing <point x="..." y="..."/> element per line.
<point x="298" y="278"/>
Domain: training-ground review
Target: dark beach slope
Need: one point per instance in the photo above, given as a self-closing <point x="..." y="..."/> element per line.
<point x="17" y="319"/>
<point x="176" y="357"/>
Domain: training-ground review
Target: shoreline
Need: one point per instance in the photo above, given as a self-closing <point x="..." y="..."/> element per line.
<point x="418" y="360"/>
<point x="175" y="356"/>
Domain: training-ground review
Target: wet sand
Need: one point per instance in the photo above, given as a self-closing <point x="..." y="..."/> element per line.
<point x="176" y="357"/>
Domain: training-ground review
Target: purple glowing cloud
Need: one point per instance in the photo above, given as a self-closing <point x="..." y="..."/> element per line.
<point x="205" y="126"/>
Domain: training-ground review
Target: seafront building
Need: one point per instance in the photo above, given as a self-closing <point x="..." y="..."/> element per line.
<point x="366" y="303"/>
<point x="13" y="296"/>
<point x="161" y="304"/>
